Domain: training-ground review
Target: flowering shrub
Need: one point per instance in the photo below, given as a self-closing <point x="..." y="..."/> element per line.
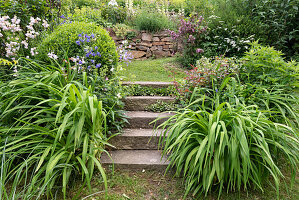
<point x="16" y="40"/>
<point x="227" y="38"/>
<point x="208" y="72"/>
<point x="189" y="35"/>
<point x="82" y="42"/>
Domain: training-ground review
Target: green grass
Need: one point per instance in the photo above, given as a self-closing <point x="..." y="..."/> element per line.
<point x="152" y="70"/>
<point x="152" y="185"/>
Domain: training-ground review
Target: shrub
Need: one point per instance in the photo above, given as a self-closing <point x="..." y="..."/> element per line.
<point x="266" y="66"/>
<point x="228" y="36"/>
<point x="226" y="145"/>
<point x="89" y="15"/>
<point x="30" y="8"/>
<point x="65" y="41"/>
<point x="114" y="14"/>
<point x="152" y="21"/>
<point x="189" y="36"/>
<point x="52" y="129"/>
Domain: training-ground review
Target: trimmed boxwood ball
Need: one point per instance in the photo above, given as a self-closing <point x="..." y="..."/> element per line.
<point x="62" y="42"/>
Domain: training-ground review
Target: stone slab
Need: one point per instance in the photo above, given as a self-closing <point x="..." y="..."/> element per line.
<point x="138" y="139"/>
<point x="149" y="84"/>
<point x="135" y="103"/>
<point x="142" y="119"/>
<point x="135" y="159"/>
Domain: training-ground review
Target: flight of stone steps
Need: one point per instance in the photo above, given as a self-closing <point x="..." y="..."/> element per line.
<point x="137" y="146"/>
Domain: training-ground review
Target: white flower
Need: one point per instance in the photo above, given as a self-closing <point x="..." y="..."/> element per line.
<point x="118" y="95"/>
<point x="1" y="35"/>
<point x="112" y="69"/>
<point x="25" y="44"/>
<point x="52" y="55"/>
<point x="112" y="3"/>
<point x="45" y="24"/>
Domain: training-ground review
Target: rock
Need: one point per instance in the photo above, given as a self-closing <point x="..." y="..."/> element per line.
<point x="156" y="39"/>
<point x="167" y="39"/>
<point x="148" y="53"/>
<point x="137" y="54"/>
<point x="158" y="43"/>
<point x="147" y="37"/>
<point x="160" y="48"/>
<point x="166" y="47"/>
<point x="154" y="48"/>
<point x="147" y="44"/>
<point x="160" y="54"/>
<point x="141" y="48"/>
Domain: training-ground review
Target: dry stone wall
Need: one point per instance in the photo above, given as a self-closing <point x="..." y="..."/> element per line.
<point x="147" y="45"/>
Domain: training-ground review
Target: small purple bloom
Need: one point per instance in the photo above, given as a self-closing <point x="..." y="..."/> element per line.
<point x="62" y="16"/>
<point x="96" y="48"/>
<point x="98" y="65"/>
<point x="92" y="35"/>
<point x="88" y="40"/>
<point x="216" y="90"/>
<point x="199" y="50"/>
<point x="93" y="54"/>
<point x="98" y="54"/>
<point x="87" y="55"/>
<point x="78" y="42"/>
<point x="89" y="67"/>
<point x="80" y="35"/>
<point x="80" y="62"/>
<point x="92" y="61"/>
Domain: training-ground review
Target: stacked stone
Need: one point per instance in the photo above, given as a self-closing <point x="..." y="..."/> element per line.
<point x="147" y="45"/>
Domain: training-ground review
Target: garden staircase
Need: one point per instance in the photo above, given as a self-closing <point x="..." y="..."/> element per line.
<point x="137" y="146"/>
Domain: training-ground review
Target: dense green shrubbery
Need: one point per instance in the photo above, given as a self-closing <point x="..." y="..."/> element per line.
<point x="54" y="126"/>
<point x="63" y="43"/>
<point x="30" y="8"/>
<point x="114" y="14"/>
<point x="266" y="66"/>
<point x="232" y="134"/>
<point x="152" y="21"/>
<point x="229" y="146"/>
<point x="87" y="14"/>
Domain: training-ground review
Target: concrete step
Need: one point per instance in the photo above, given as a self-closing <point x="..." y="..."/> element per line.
<point x="139" y="139"/>
<point x="135" y="159"/>
<point x="142" y="119"/>
<point x="148" y="84"/>
<point x="139" y="103"/>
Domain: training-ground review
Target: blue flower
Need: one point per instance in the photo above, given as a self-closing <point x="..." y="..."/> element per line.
<point x="96" y="48"/>
<point x="62" y="16"/>
<point x="93" y="54"/>
<point x="80" y="35"/>
<point x="89" y="67"/>
<point x="98" y="54"/>
<point x="80" y="62"/>
<point x="87" y="55"/>
<point x="216" y="90"/>
<point x="92" y="61"/>
<point x="98" y="65"/>
<point x="88" y="40"/>
<point x="78" y="42"/>
<point x="92" y="35"/>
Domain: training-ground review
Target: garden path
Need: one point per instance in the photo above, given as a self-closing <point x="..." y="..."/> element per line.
<point x="137" y="146"/>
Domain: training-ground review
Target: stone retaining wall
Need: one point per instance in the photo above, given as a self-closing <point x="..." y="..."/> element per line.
<point x="146" y="45"/>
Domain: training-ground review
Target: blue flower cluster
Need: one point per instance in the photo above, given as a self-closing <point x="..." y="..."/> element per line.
<point x="91" y="53"/>
<point x="84" y="38"/>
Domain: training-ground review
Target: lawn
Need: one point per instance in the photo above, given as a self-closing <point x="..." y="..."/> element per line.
<point x="152" y="70"/>
<point x="150" y="185"/>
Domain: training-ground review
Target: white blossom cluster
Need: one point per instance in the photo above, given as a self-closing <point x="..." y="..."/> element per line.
<point x="13" y="35"/>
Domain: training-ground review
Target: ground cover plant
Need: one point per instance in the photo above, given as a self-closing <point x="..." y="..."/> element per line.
<point x="232" y="134"/>
<point x="57" y="126"/>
